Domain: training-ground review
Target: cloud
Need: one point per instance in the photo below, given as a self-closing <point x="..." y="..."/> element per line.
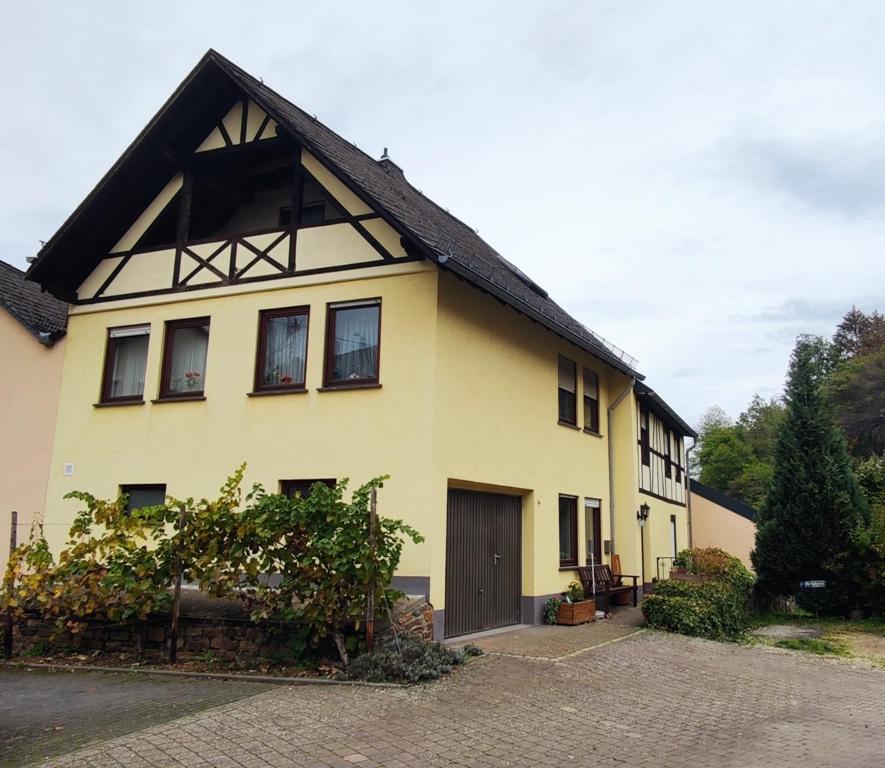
<point x="843" y="175"/>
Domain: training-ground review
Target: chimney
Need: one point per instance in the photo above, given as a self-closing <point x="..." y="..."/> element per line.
<point x="388" y="165"/>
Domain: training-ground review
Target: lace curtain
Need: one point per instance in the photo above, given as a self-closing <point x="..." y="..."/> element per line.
<point x="188" y="369"/>
<point x="285" y="347"/>
<point x="356" y="343"/>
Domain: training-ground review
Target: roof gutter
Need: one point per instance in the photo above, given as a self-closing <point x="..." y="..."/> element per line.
<point x="611" y="463"/>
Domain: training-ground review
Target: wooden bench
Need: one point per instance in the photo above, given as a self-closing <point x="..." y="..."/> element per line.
<point x="606" y="584"/>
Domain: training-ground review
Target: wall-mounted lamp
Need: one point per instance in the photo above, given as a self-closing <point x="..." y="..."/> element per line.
<point x="642" y="514"/>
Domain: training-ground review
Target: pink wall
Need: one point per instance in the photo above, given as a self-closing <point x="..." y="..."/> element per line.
<point x="29" y="391"/>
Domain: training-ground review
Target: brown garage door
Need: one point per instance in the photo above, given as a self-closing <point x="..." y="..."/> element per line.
<point x="483" y="569"/>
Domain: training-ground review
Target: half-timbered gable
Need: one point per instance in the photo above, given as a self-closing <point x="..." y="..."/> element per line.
<point x="255" y="209"/>
<point x="660" y="447"/>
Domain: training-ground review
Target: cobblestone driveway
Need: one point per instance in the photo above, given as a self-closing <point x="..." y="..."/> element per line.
<point x="46" y="713"/>
<point x="645" y="700"/>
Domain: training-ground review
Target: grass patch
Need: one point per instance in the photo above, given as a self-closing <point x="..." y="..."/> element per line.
<point x="828" y="624"/>
<point x="814" y="645"/>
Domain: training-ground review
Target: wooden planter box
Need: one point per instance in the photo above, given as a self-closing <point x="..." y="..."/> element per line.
<point x="576" y="613"/>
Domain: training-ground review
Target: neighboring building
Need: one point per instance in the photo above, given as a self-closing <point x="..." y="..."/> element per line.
<point x="32" y="327"/>
<point x="720" y="521"/>
<point x="249" y="286"/>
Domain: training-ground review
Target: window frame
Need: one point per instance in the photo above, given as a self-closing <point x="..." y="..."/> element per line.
<point x="597" y="529"/>
<point x="644" y="444"/>
<point x="105" y="397"/>
<point x="286" y="485"/>
<point x="593" y="408"/>
<point x="332" y="309"/>
<point x="166" y="368"/>
<point x="573" y="529"/>
<point x="264" y="316"/>
<point x="674" y="535"/>
<point x="573" y="421"/>
<point x="127" y="488"/>
<point x="668" y="456"/>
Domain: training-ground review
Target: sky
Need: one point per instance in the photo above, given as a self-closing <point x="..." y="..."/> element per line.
<point x="697" y="182"/>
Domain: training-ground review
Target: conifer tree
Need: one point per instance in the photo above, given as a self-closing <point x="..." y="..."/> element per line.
<point x="815" y="515"/>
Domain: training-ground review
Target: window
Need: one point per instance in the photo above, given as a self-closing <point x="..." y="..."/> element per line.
<point x="673" y="535"/>
<point x="291" y="488"/>
<point x="141" y="496"/>
<point x="568" y="386"/>
<point x="125" y="363"/>
<point x="316" y="208"/>
<point x="643" y="436"/>
<point x="184" y="358"/>
<point x="677" y="439"/>
<point x="353" y="343"/>
<point x="591" y="401"/>
<point x="668" y="460"/>
<point x="593" y="529"/>
<point x="282" y="349"/>
<point x="568" y="531"/>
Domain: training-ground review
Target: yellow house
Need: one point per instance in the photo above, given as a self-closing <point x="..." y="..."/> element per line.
<point x="249" y="286"/>
<point x="32" y="329"/>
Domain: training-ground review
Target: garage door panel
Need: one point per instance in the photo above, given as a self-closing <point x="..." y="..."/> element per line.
<point x="483" y="568"/>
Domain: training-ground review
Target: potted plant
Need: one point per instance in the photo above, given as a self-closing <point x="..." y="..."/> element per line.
<point x="574" y="609"/>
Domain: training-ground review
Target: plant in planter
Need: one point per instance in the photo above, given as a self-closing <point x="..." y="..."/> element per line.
<point x="574" y="609"/>
<point x="551" y="609"/>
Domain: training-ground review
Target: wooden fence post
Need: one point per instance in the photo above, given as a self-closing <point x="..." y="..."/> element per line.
<point x="7" y="630"/>
<point x="370" y="591"/>
<point x="176" y="596"/>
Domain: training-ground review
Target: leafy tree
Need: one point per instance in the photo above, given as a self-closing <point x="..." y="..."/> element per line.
<point x="759" y="425"/>
<point x="857" y="391"/>
<point x="752" y="484"/>
<point x="814" y="515"/>
<point x="723" y="455"/>
<point x="859" y="334"/>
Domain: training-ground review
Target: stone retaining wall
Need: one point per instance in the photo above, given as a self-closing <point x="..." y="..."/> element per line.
<point x="224" y="639"/>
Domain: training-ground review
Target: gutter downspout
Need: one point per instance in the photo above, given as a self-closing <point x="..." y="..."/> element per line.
<point x="611" y="465"/>
<point x="688" y="491"/>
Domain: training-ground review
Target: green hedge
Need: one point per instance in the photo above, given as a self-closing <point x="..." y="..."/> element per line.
<point x="718" y="609"/>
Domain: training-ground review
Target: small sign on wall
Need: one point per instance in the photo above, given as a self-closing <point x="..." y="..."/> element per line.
<point x="69" y="470"/>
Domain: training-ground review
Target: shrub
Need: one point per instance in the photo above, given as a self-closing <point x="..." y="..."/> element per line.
<point x="551" y="609"/>
<point x="407" y="660"/>
<point x="718" y="609"/>
<point x="120" y="565"/>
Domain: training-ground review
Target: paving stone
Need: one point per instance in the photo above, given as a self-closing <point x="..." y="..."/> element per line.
<point x="648" y="699"/>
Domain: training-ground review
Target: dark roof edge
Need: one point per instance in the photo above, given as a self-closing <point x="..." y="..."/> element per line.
<point x="35" y="266"/>
<point x="454" y="266"/>
<point x="645" y="392"/>
<point x="723" y="500"/>
<point x="488" y="286"/>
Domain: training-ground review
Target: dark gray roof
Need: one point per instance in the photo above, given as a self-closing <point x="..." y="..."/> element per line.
<point x="717" y="497"/>
<point x="71" y="253"/>
<point x="657" y="404"/>
<point x="448" y="241"/>
<point x="41" y="314"/>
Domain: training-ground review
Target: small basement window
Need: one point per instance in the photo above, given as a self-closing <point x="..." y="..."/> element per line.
<point x="293" y="488"/>
<point x="141" y="496"/>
